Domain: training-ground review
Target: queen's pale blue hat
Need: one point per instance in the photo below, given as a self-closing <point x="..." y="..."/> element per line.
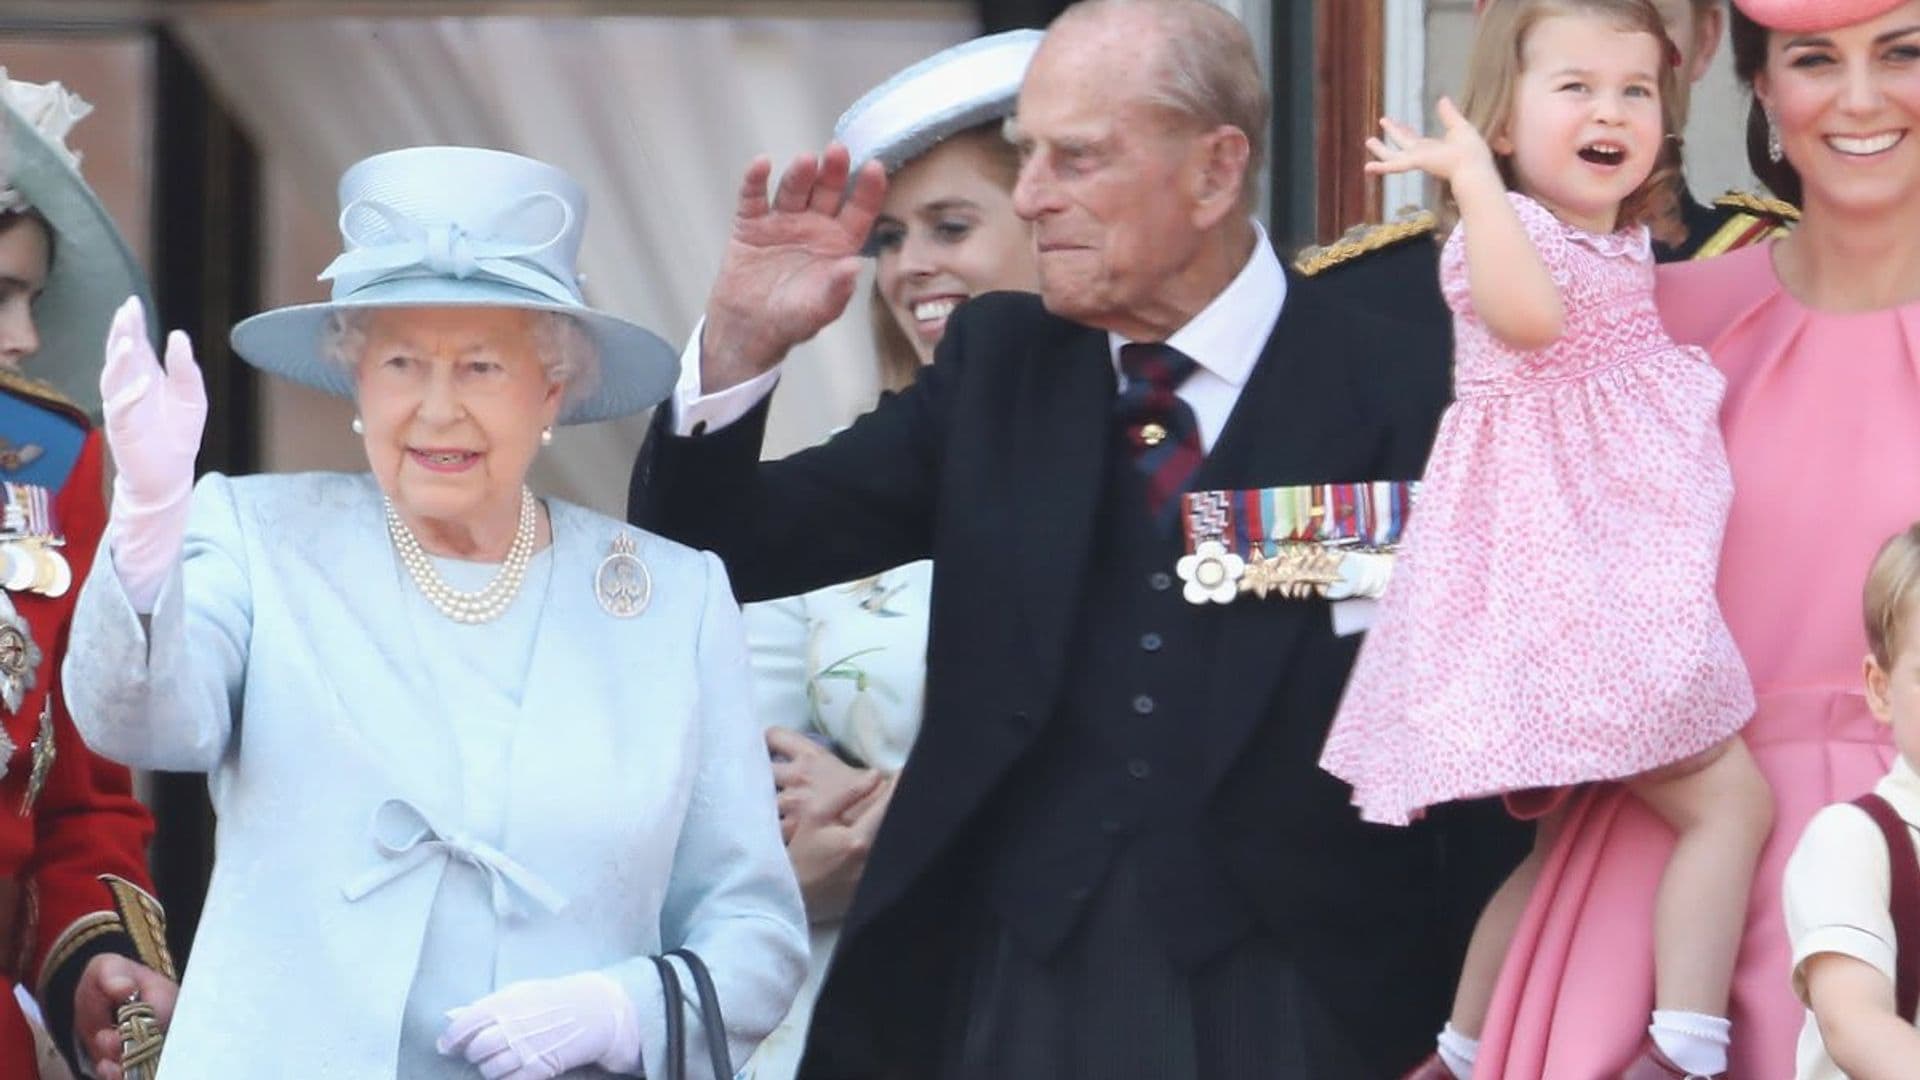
<point x="92" y="272"/>
<point x="458" y="226"/>
<point x="972" y="83"/>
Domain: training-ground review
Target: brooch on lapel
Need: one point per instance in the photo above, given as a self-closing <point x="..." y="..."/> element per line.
<point x="622" y="584"/>
<point x="1326" y="541"/>
<point x="30" y="560"/>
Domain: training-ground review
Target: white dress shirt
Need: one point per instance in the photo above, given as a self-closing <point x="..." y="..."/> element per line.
<point x="1225" y="339"/>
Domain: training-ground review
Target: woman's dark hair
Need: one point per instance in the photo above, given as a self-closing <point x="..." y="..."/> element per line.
<point x="1749" y="58"/>
<point x="9" y="219"/>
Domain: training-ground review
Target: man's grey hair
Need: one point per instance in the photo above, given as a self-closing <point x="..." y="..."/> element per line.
<point x="1206" y="69"/>
<point x="567" y="351"/>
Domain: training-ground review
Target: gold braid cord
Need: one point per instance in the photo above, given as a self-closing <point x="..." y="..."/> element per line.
<point x="141" y="1040"/>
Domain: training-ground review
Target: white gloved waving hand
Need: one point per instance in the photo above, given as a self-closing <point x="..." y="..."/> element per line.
<point x="154" y="418"/>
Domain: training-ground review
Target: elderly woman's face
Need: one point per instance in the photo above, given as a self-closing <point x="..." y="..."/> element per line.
<point x="1847" y="106"/>
<point x="453" y="401"/>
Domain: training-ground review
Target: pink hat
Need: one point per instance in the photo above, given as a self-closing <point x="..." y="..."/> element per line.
<point x="1803" y="16"/>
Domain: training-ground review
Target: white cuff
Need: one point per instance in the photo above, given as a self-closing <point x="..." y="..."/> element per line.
<point x="695" y="413"/>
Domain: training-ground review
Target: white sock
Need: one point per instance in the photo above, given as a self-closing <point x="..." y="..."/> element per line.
<point x="1457" y="1051"/>
<point x="1694" y="1041"/>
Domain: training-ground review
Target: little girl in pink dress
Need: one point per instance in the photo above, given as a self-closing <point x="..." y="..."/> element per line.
<point x="1552" y="619"/>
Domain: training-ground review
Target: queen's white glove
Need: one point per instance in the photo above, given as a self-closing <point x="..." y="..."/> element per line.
<point x="540" y="1028"/>
<point x="153" y="422"/>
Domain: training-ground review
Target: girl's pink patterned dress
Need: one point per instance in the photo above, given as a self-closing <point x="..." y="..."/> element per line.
<point x="1552" y="616"/>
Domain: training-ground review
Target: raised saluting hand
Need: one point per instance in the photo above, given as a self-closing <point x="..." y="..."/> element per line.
<point x="791" y="262"/>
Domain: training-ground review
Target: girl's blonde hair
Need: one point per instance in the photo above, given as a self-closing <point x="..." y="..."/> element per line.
<point x="1497" y="62"/>
<point x="1893" y="584"/>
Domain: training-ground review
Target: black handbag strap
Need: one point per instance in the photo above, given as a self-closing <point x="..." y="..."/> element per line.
<point x="1903" y="879"/>
<point x="676" y="1054"/>
<point x="710" y="1018"/>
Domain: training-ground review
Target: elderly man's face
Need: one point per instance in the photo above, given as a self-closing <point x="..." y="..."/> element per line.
<point x="1109" y="181"/>
<point x="453" y="401"/>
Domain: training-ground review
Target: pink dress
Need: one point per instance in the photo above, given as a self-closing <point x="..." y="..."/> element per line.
<point x="1552" y="618"/>
<point x="1822" y="424"/>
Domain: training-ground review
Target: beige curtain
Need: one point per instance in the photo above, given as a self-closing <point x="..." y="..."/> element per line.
<point x="655" y="116"/>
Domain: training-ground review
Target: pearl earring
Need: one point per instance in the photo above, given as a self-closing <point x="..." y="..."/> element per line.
<point x="546" y="436"/>
<point x="358" y="427"/>
<point x="1775" y="152"/>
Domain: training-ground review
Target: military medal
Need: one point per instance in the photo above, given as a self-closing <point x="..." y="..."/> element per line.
<point x="19" y="656"/>
<point x="622" y="584"/>
<point x="1329" y="541"/>
<point x="43" y="755"/>
<point x="1212" y="573"/>
<point x="30" y="560"/>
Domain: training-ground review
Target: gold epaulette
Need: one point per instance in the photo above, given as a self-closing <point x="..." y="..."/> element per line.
<point x="1759" y="205"/>
<point x="1754" y="218"/>
<point x="1363" y="239"/>
<point x="41" y="393"/>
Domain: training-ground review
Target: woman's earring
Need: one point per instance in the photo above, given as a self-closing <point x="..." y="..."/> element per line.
<point x="358" y="427"/>
<point x="1775" y="152"/>
<point x="546" y="436"/>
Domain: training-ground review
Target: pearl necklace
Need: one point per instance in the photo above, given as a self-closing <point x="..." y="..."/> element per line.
<point x="489" y="602"/>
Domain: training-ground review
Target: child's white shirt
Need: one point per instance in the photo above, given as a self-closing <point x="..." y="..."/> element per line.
<point x="1837" y="898"/>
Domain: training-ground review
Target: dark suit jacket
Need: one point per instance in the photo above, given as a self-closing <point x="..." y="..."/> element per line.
<point x="991" y="465"/>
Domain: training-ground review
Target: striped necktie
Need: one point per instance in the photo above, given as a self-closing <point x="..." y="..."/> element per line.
<point x="1159" y="427"/>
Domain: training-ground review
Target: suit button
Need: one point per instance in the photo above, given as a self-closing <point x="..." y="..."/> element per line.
<point x="1151" y="642"/>
<point x="1079" y="895"/>
<point x="1139" y="769"/>
<point x="1113" y="827"/>
<point x="1020" y="717"/>
<point x="1160" y="581"/>
<point x="1142" y="705"/>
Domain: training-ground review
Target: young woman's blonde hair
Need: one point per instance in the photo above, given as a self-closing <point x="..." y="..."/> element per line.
<point x="1893" y="584"/>
<point x="1498" y="60"/>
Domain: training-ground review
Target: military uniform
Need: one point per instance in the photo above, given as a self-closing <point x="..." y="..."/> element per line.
<point x="1397" y="265"/>
<point x="73" y="839"/>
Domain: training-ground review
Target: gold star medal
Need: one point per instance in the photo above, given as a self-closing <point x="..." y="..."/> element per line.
<point x="19" y="656"/>
<point x="622" y="584"/>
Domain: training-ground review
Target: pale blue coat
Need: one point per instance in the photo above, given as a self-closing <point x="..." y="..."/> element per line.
<point x="282" y="660"/>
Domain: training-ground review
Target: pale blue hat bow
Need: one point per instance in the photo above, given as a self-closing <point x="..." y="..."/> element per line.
<point x="454" y="226"/>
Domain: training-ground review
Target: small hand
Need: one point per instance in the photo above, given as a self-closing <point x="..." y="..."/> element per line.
<point x="790" y="263"/>
<point x="829" y="858"/>
<point x="815" y="787"/>
<point x="1459" y="150"/>
<point x="105" y="984"/>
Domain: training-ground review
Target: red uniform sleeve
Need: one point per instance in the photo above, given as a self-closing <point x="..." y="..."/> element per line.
<point x="87" y="822"/>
